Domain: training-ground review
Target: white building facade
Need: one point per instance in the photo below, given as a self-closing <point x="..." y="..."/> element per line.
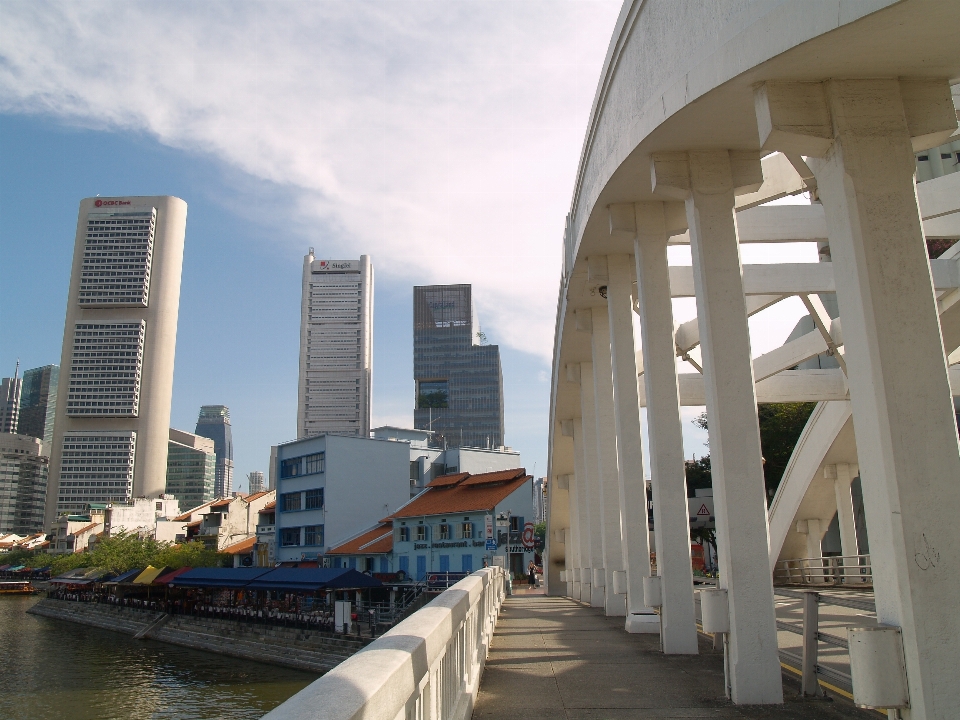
<point x="336" y="347"/>
<point x="113" y="406"/>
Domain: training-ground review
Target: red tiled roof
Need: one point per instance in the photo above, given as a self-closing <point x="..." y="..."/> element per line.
<point x="196" y="523"/>
<point x="84" y="529"/>
<point x="495" y="477"/>
<point x="378" y="539"/>
<point x="240" y="547"/>
<point x="272" y="505"/>
<point x="466" y="496"/>
<point x="221" y="503"/>
<point x="251" y="498"/>
<point x="445" y="480"/>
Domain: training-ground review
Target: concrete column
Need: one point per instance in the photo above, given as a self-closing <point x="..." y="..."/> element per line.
<point x="708" y="181"/>
<point x="591" y="464"/>
<point x="848" y="527"/>
<point x="633" y="495"/>
<point x="607" y="467"/>
<point x="583" y="507"/>
<point x="866" y="133"/>
<point x="667" y="471"/>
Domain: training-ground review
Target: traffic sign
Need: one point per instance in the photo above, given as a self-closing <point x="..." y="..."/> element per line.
<point x="491" y="544"/>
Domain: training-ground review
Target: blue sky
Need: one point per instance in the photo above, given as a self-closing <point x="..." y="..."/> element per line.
<point x="442" y="139"/>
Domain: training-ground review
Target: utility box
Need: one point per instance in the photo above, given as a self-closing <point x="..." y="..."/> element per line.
<point x="653" y="591"/>
<point x="877" y="667"/>
<point x="619" y="582"/>
<point x="715" y="610"/>
<point x="341" y="616"/>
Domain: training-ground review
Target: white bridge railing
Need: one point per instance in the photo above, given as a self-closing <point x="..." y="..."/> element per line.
<point x="428" y="667"/>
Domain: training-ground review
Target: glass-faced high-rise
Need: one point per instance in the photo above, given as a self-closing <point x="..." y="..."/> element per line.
<point x="38" y="402"/>
<point x="214" y="423"/>
<point x="459" y="384"/>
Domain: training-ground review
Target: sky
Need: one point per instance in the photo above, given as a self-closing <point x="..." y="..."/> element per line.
<point x="442" y="139"/>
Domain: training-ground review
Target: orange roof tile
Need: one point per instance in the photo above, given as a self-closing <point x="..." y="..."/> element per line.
<point x="272" y="505"/>
<point x="84" y="529"/>
<point x="240" y="547"/>
<point x="188" y="513"/>
<point x="445" y="480"/>
<point x="467" y="496"/>
<point x="251" y="498"/>
<point x="378" y="539"/>
<point x="495" y="477"/>
<point x="221" y="503"/>
<point x="195" y="523"/>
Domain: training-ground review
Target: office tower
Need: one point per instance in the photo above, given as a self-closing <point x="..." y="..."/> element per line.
<point x="459" y="382"/>
<point x="336" y="347"/>
<point x="191" y="469"/>
<point x="255" y="482"/>
<point x="10" y="389"/>
<point x="38" y="403"/>
<point x="23" y="484"/>
<point x="119" y="341"/>
<point x="214" y="423"/>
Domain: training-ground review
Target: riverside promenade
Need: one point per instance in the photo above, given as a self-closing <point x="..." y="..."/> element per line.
<point x="554" y="659"/>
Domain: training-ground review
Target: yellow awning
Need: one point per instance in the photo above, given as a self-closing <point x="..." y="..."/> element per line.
<point x="149" y="575"/>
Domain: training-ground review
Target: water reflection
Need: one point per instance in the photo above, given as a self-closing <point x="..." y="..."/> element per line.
<point x="55" y="670"/>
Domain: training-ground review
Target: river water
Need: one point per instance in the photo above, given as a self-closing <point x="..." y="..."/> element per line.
<point x="58" y="670"/>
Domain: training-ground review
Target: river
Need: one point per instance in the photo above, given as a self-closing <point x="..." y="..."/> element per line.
<point x="58" y="670"/>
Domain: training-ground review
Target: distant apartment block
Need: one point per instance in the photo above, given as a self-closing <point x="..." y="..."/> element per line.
<point x="336" y="347"/>
<point x="214" y="423"/>
<point x="255" y="482"/>
<point x="38" y="402"/>
<point x="23" y="484"/>
<point x="113" y="404"/>
<point x="191" y="468"/>
<point x="459" y="384"/>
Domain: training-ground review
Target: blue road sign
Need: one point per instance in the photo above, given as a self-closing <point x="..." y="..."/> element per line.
<point x="491" y="544"/>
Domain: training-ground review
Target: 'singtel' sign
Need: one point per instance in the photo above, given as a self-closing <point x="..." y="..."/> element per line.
<point x="319" y="266"/>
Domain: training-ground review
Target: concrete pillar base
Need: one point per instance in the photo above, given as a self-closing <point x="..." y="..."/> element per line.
<point x="616" y="606"/>
<point x="596" y="596"/>
<point x="643" y="623"/>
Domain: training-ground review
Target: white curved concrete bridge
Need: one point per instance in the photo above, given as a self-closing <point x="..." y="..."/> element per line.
<point x="704" y="112"/>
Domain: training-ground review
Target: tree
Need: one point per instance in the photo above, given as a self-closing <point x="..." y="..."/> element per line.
<point x="191" y="554"/>
<point x="781" y="425"/>
<point x="539" y="537"/>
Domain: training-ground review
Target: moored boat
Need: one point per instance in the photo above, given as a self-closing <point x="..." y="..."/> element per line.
<point x="16" y="587"/>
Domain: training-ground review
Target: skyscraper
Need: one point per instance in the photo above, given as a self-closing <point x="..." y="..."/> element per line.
<point x="214" y="423"/>
<point x="38" y="402"/>
<point x="336" y="347"/>
<point x="23" y="484"/>
<point x="459" y="382"/>
<point x="191" y="469"/>
<point x="10" y="389"/>
<point x="255" y="482"/>
<point x="119" y="341"/>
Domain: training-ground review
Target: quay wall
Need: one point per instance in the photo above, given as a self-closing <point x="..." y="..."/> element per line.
<point x="298" y="648"/>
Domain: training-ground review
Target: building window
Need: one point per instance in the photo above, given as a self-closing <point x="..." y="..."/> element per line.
<point x="465" y="530"/>
<point x="313" y="535"/>
<point x="290" y="468"/>
<point x="443" y="531"/>
<point x="421" y="532"/>
<point x="290" y="537"/>
<point x="403" y="534"/>
<point x="436" y="470"/>
<point x="315" y="499"/>
<point x="314" y="463"/>
<point x="414" y="469"/>
<point x="291" y="501"/>
<point x="433" y="394"/>
<point x="516" y="528"/>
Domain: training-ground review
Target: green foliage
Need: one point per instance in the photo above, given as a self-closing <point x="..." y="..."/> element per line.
<point x="539" y="536"/>
<point x="191" y="554"/>
<point x="60" y="564"/>
<point x="436" y="399"/>
<point x="781" y="425"/>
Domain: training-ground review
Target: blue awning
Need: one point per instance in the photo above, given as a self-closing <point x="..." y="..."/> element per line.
<point x="312" y="579"/>
<point x="126" y="577"/>
<point x="218" y="577"/>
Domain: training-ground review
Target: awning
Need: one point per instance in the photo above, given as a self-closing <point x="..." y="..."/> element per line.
<point x="150" y="574"/>
<point x="312" y="579"/>
<point x="167" y="578"/>
<point x="125" y="577"/>
<point x="218" y="577"/>
<point x="83" y="576"/>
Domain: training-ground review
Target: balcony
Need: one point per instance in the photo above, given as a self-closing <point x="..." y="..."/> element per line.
<point x="266" y="530"/>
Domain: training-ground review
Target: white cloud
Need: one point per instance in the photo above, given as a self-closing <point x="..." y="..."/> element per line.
<point x="442" y="138"/>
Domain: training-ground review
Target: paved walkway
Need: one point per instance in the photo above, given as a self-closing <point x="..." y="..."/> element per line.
<point x="556" y="659"/>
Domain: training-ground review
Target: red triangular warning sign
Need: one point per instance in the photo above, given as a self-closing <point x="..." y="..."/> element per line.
<point x="703" y="510"/>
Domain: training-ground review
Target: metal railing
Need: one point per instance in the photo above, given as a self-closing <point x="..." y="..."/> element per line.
<point x="428" y="667"/>
<point x="808" y="661"/>
<point x="838" y="570"/>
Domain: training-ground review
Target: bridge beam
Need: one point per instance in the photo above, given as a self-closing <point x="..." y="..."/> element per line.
<point x="865" y="133"/>
<point x="633" y="491"/>
<point x="709" y="183"/>
<point x="667" y="470"/>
